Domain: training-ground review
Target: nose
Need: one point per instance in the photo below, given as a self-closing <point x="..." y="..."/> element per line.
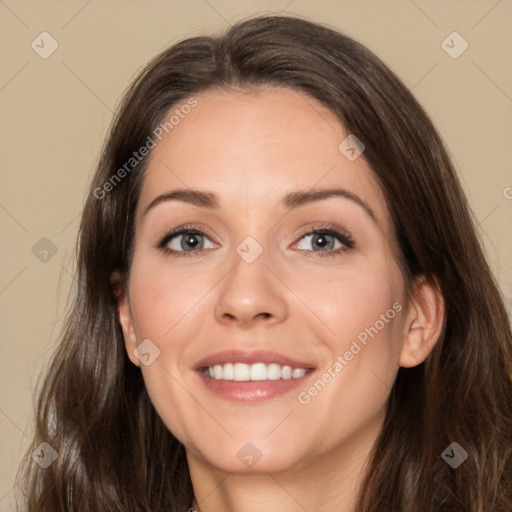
<point x="251" y="294"/>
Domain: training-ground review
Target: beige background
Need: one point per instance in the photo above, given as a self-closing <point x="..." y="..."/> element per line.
<point x="55" y="113"/>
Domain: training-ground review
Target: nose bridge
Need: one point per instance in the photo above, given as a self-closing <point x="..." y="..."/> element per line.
<point x="250" y="290"/>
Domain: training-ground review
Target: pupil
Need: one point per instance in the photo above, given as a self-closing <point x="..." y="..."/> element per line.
<point x="191" y="240"/>
<point x="322" y="241"/>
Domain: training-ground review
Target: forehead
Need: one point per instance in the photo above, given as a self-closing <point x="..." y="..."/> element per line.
<point x="249" y="146"/>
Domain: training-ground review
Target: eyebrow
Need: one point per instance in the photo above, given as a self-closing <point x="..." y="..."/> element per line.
<point x="296" y="199"/>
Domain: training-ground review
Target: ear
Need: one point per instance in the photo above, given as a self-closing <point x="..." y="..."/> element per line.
<point x="120" y="291"/>
<point x="424" y="322"/>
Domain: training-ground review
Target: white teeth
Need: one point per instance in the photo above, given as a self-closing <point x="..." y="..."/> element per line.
<point x="217" y="371"/>
<point x="274" y="371"/>
<point x="258" y="371"/>
<point x="228" y="372"/>
<point x="242" y="372"/>
<point x="298" y="372"/>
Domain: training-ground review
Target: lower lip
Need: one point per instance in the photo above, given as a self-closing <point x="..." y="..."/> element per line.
<point x="252" y="391"/>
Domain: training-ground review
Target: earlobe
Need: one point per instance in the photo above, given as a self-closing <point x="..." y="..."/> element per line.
<point x="125" y="319"/>
<point x="424" y="323"/>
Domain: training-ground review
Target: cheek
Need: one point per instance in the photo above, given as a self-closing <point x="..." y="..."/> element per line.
<point x="163" y="299"/>
<point x="360" y="303"/>
<point x="166" y="302"/>
<point x="364" y="311"/>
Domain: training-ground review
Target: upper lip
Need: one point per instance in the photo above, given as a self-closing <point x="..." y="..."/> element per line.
<point x="250" y="357"/>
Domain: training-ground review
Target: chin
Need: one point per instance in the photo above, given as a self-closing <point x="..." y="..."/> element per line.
<point x="250" y="457"/>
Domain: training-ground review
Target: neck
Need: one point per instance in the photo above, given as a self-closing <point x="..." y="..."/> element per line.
<point x="331" y="481"/>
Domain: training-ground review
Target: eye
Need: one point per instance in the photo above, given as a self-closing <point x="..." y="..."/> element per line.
<point x="185" y="241"/>
<point x="189" y="241"/>
<point x="328" y="240"/>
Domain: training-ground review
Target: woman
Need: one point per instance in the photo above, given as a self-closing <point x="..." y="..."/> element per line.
<point x="281" y="301"/>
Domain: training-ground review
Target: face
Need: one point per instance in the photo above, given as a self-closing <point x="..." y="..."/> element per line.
<point x="299" y="292"/>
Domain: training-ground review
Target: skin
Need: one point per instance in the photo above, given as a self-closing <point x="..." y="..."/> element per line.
<point x="251" y="148"/>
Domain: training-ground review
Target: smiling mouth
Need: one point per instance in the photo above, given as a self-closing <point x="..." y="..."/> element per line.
<point x="242" y="372"/>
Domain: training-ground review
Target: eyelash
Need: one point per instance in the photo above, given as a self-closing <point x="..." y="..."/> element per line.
<point x="342" y="236"/>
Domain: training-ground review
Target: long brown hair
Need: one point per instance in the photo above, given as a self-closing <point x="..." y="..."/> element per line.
<point x="114" y="452"/>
